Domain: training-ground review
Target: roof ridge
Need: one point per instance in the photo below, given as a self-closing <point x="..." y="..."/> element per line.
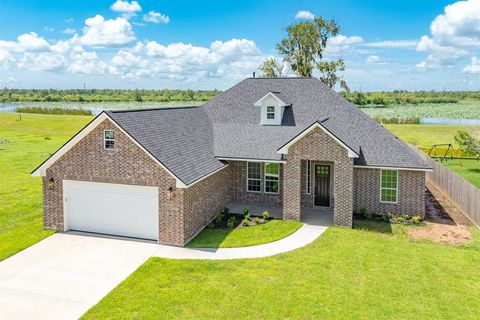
<point x="152" y="109"/>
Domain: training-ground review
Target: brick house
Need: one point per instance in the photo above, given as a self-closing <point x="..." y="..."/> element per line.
<point x="165" y="173"/>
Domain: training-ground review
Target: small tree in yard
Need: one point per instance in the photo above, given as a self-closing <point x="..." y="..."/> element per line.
<point x="468" y="142"/>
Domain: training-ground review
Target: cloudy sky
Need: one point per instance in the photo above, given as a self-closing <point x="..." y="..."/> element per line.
<point x="387" y="45"/>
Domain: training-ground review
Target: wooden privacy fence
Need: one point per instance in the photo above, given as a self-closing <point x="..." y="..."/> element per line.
<point x="464" y="194"/>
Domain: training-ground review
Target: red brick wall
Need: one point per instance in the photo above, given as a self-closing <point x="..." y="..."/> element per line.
<point x="411" y="194"/>
<point x="239" y="186"/>
<point x="127" y="164"/>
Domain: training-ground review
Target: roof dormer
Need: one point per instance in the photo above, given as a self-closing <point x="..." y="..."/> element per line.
<point x="272" y="105"/>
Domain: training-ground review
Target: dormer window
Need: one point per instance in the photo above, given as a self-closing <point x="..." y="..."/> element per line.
<point x="270" y="112"/>
<point x="272" y="106"/>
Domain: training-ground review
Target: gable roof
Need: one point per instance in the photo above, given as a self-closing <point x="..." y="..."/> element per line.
<point x="180" y="138"/>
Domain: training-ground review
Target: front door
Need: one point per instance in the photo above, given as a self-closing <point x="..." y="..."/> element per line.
<point x="322" y="185"/>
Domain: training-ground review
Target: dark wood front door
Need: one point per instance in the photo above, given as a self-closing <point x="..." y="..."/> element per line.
<point x="322" y="185"/>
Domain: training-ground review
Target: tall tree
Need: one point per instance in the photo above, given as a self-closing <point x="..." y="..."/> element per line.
<point x="270" y="68"/>
<point x="304" y="46"/>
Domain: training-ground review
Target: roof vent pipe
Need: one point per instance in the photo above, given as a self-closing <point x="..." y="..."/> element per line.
<point x="254" y="74"/>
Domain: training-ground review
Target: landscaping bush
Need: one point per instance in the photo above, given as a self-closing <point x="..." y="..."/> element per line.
<point x="416" y="219"/>
<point x="219" y="218"/>
<point x="399" y="219"/>
<point x="245" y="222"/>
<point x="211" y="225"/>
<point x="226" y="211"/>
<point x="231" y="222"/>
<point x="257" y="220"/>
<point x="265" y="215"/>
<point x="405" y="216"/>
<point x="246" y="213"/>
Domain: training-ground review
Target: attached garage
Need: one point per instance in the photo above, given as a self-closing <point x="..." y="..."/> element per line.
<point x="113" y="209"/>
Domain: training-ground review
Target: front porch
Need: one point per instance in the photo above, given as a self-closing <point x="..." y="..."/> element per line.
<point x="321" y="216"/>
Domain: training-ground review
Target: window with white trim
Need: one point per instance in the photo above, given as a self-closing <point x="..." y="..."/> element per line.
<point x="270" y="112"/>
<point x="108" y="139"/>
<point x="389" y="186"/>
<point x="272" y="177"/>
<point x="309" y="177"/>
<point x="253" y="176"/>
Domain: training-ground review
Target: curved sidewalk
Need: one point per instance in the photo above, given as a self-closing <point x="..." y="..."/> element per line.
<point x="300" y="238"/>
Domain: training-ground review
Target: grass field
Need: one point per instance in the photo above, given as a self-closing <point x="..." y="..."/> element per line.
<point x="245" y="236"/>
<point x="29" y="142"/>
<point x="427" y="135"/>
<point x="468" y="169"/>
<point x="345" y="274"/>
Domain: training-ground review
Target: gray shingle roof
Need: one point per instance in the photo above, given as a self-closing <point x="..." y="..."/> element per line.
<point x="180" y="138"/>
<point x="238" y="131"/>
<point x="187" y="140"/>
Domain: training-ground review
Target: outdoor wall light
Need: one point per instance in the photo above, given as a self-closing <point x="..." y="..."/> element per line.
<point x="51" y="183"/>
<point x="170" y="193"/>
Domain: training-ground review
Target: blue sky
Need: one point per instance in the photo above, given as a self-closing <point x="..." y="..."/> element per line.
<point x="387" y="45"/>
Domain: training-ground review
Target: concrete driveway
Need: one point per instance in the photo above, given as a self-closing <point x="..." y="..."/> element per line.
<point x="64" y="275"/>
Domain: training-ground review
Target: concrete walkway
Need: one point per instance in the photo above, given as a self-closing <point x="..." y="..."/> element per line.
<point x="311" y="230"/>
<point x="64" y="275"/>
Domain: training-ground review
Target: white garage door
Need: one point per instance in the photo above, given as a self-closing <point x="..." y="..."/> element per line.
<point x="115" y="209"/>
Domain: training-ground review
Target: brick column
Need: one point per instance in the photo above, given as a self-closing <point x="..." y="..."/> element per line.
<point x="343" y="188"/>
<point x="292" y="189"/>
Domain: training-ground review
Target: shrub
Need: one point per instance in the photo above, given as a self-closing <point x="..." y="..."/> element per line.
<point x="363" y="212"/>
<point x="231" y="222"/>
<point x="245" y="222"/>
<point x="246" y="212"/>
<point x="405" y="216"/>
<point x="225" y="211"/>
<point x="266" y="215"/>
<point x="211" y="225"/>
<point x="416" y="219"/>
<point x="256" y="220"/>
<point x="389" y="215"/>
<point x="219" y="218"/>
<point x="399" y="220"/>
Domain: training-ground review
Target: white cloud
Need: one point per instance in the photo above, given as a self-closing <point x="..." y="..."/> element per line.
<point x="99" y="32"/>
<point x="345" y="40"/>
<point x="473" y="67"/>
<point x="156" y="17"/>
<point x="455" y="34"/>
<point x="32" y="42"/>
<point x="303" y="14"/>
<point x="393" y="44"/>
<point x="373" y="59"/>
<point x="128" y="9"/>
<point x="69" y="31"/>
<point x="342" y="44"/>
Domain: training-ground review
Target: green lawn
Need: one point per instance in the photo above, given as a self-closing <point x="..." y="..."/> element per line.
<point x="426" y="135"/>
<point x="30" y="141"/>
<point x="345" y="274"/>
<point x="468" y="169"/>
<point x="245" y="236"/>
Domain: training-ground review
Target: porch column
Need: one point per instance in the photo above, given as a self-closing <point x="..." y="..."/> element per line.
<point x="343" y="188"/>
<point x="292" y="189"/>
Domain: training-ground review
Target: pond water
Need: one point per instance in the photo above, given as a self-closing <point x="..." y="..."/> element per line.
<point x="447" y="121"/>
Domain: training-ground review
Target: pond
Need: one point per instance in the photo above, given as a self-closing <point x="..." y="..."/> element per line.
<point x="97" y="107"/>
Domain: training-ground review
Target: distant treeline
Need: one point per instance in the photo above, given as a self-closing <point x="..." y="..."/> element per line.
<point x="100" y="95"/>
<point x="384" y="98"/>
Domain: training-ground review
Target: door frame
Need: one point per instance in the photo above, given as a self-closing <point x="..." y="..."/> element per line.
<point x="331" y="181"/>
